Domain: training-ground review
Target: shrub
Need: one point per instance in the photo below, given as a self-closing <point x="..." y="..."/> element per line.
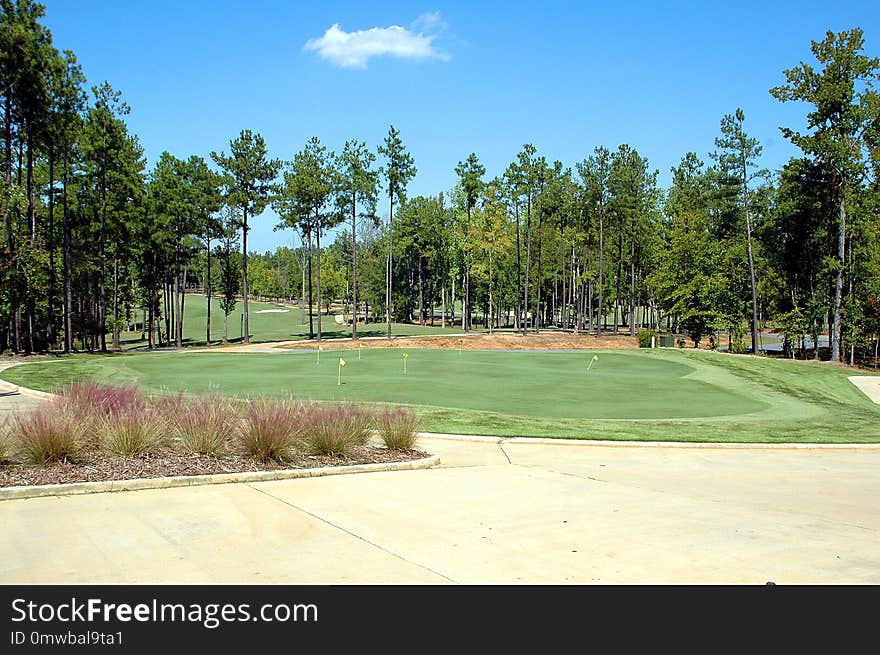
<point x="397" y="427"/>
<point x="679" y="342"/>
<point x="644" y="337"/>
<point x="48" y="434"/>
<point x="334" y="429"/>
<point x="270" y="428"/>
<point x="206" y="426"/>
<point x="135" y="430"/>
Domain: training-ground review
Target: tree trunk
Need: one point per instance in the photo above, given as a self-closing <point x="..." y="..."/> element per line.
<point x="311" y="318"/>
<point x="67" y="256"/>
<point x="838" y="285"/>
<point x="390" y="263"/>
<point x="116" y="301"/>
<point x="601" y="274"/>
<point x="318" y="285"/>
<point x="180" y="314"/>
<point x="208" y="290"/>
<point x="246" y="329"/>
<point x="354" y="268"/>
<point x="528" y="265"/>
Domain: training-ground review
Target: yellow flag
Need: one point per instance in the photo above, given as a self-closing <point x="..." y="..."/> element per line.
<point x="406" y="355"/>
<point x="341" y="362"/>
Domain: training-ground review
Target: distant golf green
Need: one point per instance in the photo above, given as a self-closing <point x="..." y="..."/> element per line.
<point x="269" y="322"/>
<point x="637" y="394"/>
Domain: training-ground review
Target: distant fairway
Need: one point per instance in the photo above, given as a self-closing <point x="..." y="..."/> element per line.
<point x="636" y="394"/>
<point x="269" y="324"/>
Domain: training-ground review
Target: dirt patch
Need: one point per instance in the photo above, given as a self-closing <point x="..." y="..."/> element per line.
<point x="92" y="466"/>
<point x="505" y="341"/>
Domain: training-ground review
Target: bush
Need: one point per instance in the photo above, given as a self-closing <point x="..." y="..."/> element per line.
<point x="135" y="430"/>
<point x="680" y="342"/>
<point x="334" y="429"/>
<point x="644" y="337"/>
<point x="398" y="428"/>
<point x="50" y="434"/>
<point x="206" y="426"/>
<point x="271" y="428"/>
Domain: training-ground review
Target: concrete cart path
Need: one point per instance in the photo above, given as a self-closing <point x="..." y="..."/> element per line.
<point x="11" y="399"/>
<point x="495" y="513"/>
<point x="869" y="385"/>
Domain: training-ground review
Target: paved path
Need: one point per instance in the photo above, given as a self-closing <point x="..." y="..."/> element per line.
<point x="11" y="399"/>
<point x="868" y="385"/>
<point x="495" y="513"/>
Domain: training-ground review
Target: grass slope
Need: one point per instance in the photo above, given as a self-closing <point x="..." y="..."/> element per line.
<point x="647" y="395"/>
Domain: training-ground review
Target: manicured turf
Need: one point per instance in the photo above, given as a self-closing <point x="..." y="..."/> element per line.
<point x="638" y="394"/>
<point x="268" y="325"/>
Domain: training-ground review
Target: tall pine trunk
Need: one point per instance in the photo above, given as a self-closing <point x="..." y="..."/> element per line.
<point x="318" y="285"/>
<point x="246" y="333"/>
<point x="208" y="290"/>
<point x="838" y="283"/>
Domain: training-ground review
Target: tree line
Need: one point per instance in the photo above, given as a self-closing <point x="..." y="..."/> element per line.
<point x="94" y="243"/>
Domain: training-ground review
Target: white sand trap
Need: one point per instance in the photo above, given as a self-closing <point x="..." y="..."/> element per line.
<point x="272" y="311"/>
<point x="869" y="385"/>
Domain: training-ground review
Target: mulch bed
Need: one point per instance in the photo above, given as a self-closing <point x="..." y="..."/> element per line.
<point x="91" y="466"/>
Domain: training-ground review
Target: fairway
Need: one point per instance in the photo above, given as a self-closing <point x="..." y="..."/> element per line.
<point x="270" y="322"/>
<point x="638" y="394"/>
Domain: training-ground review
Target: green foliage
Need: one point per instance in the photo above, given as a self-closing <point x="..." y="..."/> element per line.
<point x="398" y="428"/>
<point x="645" y="337"/>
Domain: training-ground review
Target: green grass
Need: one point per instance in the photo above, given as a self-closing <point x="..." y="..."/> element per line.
<point x="667" y="395"/>
<point x="268" y="326"/>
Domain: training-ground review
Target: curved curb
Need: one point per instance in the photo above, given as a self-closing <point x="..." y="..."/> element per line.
<point x="139" y="484"/>
<point x="25" y="391"/>
<point x="606" y="443"/>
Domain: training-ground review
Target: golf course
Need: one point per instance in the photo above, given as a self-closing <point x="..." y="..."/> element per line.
<point x="657" y="395"/>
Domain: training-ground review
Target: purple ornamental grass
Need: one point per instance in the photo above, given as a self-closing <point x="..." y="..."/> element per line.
<point x="398" y="427"/>
<point x="52" y="433"/>
<point x="270" y="428"/>
<point x="136" y="430"/>
<point x="206" y="425"/>
<point x="334" y="429"/>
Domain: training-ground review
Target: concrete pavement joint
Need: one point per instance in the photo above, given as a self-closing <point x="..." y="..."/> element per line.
<point x="353" y="534"/>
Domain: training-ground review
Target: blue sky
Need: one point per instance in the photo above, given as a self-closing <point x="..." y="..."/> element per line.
<point x="457" y="77"/>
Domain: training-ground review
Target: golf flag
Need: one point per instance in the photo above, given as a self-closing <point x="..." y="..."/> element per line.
<point x="405" y="357"/>
<point x="320" y="348"/>
<point x="339" y="372"/>
<point x="360" y="348"/>
<point x="593" y="361"/>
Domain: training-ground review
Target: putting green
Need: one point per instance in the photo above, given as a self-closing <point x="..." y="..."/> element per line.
<point x="663" y="394"/>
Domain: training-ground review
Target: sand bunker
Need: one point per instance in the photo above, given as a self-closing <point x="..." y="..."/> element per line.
<point x="272" y="311"/>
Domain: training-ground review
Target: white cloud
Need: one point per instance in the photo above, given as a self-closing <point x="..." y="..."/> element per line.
<point x="354" y="49"/>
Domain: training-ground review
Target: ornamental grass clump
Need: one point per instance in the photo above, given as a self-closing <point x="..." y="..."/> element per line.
<point x="135" y="430"/>
<point x="49" y="434"/>
<point x="270" y="428"/>
<point x="398" y="428"/>
<point x="92" y="402"/>
<point x="206" y="426"/>
<point x="335" y="429"/>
